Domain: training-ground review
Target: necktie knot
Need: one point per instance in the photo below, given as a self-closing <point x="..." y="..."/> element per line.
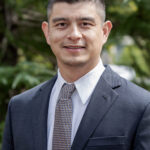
<point x="67" y="90"/>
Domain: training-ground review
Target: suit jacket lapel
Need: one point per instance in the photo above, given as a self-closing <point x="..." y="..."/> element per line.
<point x="102" y="99"/>
<point x="40" y="111"/>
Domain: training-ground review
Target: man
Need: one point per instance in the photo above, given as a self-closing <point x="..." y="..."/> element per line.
<point x="103" y="110"/>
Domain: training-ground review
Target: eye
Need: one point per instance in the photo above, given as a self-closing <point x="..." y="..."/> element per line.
<point x="61" y="25"/>
<point x="86" y="24"/>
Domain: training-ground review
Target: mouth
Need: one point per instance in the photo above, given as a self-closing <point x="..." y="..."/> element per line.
<point x="74" y="47"/>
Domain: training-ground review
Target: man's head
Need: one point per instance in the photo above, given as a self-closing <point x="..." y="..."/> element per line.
<point x="76" y="34"/>
<point x="99" y="3"/>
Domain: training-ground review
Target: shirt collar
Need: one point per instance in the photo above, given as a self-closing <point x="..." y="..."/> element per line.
<point x="86" y="84"/>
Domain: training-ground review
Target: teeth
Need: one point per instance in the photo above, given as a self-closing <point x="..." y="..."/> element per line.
<point x="73" y="47"/>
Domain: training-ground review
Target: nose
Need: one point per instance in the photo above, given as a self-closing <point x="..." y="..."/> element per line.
<point x="74" y="33"/>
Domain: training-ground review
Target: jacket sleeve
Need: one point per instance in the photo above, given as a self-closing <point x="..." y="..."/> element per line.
<point x="142" y="140"/>
<point x="7" y="142"/>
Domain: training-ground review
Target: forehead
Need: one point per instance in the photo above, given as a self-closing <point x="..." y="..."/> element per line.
<point x="79" y="9"/>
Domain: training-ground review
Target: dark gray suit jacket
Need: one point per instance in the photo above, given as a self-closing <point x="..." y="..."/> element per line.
<point x="117" y="117"/>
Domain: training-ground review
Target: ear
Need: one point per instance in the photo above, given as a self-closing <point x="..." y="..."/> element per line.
<point x="107" y="26"/>
<point x="45" y="29"/>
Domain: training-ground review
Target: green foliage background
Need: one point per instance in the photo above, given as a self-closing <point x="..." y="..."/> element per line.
<point x="26" y="60"/>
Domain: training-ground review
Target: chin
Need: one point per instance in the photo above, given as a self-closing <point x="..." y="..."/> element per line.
<point x="74" y="63"/>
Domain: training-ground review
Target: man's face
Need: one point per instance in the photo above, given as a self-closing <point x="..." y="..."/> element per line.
<point x="76" y="33"/>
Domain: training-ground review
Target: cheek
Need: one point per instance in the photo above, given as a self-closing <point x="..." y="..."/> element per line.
<point x="94" y="35"/>
<point x="95" y="40"/>
<point x="56" y="37"/>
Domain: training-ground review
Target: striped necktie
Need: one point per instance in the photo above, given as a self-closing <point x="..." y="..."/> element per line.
<point x="63" y="119"/>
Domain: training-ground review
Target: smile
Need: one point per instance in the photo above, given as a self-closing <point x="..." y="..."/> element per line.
<point x="74" y="47"/>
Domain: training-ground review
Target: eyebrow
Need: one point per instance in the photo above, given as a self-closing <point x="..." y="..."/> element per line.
<point x="87" y="19"/>
<point x="54" y="20"/>
<point x="57" y="19"/>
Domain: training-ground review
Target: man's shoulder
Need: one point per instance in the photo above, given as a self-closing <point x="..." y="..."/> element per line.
<point x="127" y="90"/>
<point x="136" y="92"/>
<point x="29" y="94"/>
<point x="132" y="94"/>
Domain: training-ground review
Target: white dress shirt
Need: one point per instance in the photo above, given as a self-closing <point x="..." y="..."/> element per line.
<point x="80" y="98"/>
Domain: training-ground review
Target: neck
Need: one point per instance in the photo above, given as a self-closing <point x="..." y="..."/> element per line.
<point x="73" y="73"/>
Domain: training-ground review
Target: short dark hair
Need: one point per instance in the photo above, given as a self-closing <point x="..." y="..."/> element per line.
<point x="98" y="3"/>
